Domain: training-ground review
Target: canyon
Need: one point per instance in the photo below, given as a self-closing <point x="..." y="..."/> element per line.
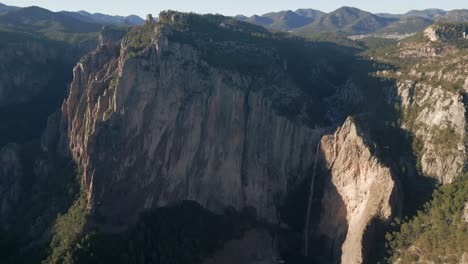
<point x="295" y="150"/>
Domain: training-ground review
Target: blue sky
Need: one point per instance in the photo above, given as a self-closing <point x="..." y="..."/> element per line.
<point x="233" y="7"/>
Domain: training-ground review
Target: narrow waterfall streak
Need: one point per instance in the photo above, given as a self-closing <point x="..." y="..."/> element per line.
<point x="309" y="204"/>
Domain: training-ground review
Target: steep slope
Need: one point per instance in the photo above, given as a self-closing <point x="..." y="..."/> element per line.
<point x="34" y="18"/>
<point x="311" y="13"/>
<point x="284" y="20"/>
<point x="407" y="25"/>
<point x="427" y="13"/>
<point x="36" y="183"/>
<point x="258" y="20"/>
<point x="361" y="189"/>
<point x="352" y="21"/>
<point x="192" y="99"/>
<point x="460" y="15"/>
<point x="203" y="108"/>
<point x="99" y="18"/>
<point x="287" y="20"/>
<point x="10" y="177"/>
<point x="37" y="49"/>
<point x="35" y="186"/>
<point x="432" y="91"/>
<point x="5" y="8"/>
<point x="229" y="115"/>
<point x="439" y="233"/>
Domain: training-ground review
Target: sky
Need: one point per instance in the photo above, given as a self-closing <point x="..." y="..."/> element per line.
<point x="234" y="7"/>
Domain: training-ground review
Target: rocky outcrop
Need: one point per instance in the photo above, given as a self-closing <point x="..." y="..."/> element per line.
<point x="437" y="117"/>
<point x="110" y="35"/>
<point x="465" y="213"/>
<point x="11" y="173"/>
<point x="150" y="19"/>
<point x="431" y="97"/>
<point x="431" y="33"/>
<point x="360" y="190"/>
<point x="452" y="33"/>
<point x="159" y="125"/>
<point x="153" y="120"/>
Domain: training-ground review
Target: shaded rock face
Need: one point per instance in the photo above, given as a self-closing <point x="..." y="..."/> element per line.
<point x="166" y="126"/>
<point x="439" y="123"/>
<point x="432" y="97"/>
<point x="11" y="173"/>
<point x="255" y="247"/>
<point x="16" y="86"/>
<point x="31" y="66"/>
<point x="110" y="35"/>
<point x="156" y="123"/>
<point x="360" y="189"/>
<point x="33" y="71"/>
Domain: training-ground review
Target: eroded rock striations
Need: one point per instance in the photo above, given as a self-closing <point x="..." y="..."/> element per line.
<point x="11" y="172"/>
<point x="437" y="117"/>
<point x="158" y="118"/>
<point x="360" y="190"/>
<point x="431" y="92"/>
<point x="159" y="125"/>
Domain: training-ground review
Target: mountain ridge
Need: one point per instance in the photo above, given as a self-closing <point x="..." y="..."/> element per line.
<point x="130" y="20"/>
<point x="193" y="132"/>
<point x="353" y="21"/>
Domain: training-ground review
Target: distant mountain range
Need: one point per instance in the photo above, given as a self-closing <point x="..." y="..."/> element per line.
<point x="36" y="19"/>
<point x="345" y="20"/>
<point x="83" y="16"/>
<point x="106" y="19"/>
<point x="352" y="21"/>
<point x="285" y="20"/>
<point x="5" y="8"/>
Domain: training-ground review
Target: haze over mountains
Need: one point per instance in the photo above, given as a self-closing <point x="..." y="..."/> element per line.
<point x="349" y="20"/>
<point x="84" y="16"/>
<point x="344" y="20"/>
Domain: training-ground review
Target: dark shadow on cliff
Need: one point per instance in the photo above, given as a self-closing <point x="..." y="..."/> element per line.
<point x="321" y="249"/>
<point x="46" y="66"/>
<point x="321" y="70"/>
<point x="395" y="148"/>
<point x="324" y="249"/>
<point x="49" y="186"/>
<point x="374" y="240"/>
<point x="375" y="108"/>
<point x="181" y="233"/>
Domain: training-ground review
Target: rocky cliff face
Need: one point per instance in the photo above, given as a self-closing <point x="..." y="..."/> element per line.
<point x="158" y="118"/>
<point x="431" y="92"/>
<point x="31" y="66"/>
<point x="360" y="190"/>
<point x="437" y="118"/>
<point x="16" y="85"/>
<point x="465" y="213"/>
<point x="161" y="126"/>
<point x="34" y="70"/>
<point x="11" y="173"/>
<point x="431" y="33"/>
